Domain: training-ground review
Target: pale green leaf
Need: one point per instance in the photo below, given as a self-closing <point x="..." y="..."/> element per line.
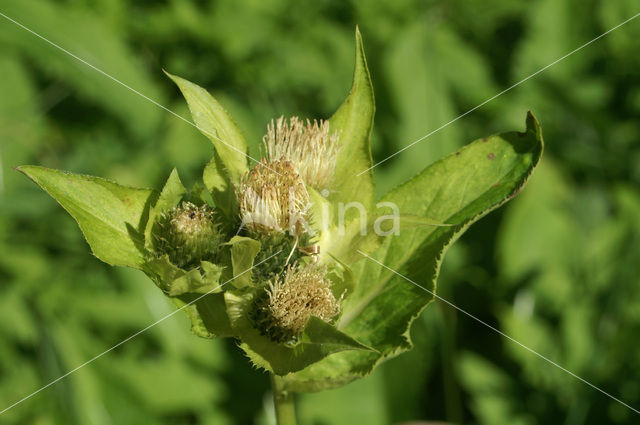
<point x="318" y="331"/>
<point x="175" y="281"/>
<point x="458" y="189"/>
<point x="112" y="217"/>
<point x="170" y="196"/>
<point x="342" y="241"/>
<point x="221" y="188"/>
<point x="243" y="252"/>
<point x="208" y="314"/>
<point x="343" y="280"/>
<point x="365" y="233"/>
<point x="215" y="123"/>
<point x="354" y="121"/>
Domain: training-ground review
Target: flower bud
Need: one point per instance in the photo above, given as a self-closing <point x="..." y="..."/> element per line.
<point x="188" y="235"/>
<point x="283" y="310"/>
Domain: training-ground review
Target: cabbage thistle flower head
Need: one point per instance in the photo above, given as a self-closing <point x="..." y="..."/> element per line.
<point x="188" y="234"/>
<point x="292" y="298"/>
<point x="308" y="145"/>
<point x="273" y="199"/>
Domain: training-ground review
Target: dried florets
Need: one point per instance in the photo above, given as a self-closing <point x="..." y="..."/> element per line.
<point x="273" y="198"/>
<point x="309" y="146"/>
<point x="288" y="302"/>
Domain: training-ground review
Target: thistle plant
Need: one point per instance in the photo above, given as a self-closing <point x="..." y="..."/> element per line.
<point x="271" y="252"/>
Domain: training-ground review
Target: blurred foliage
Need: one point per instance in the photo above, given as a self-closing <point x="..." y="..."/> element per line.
<point x="557" y="269"/>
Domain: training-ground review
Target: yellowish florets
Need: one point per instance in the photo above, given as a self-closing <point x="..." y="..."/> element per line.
<point x="191" y="219"/>
<point x="273" y="197"/>
<point x="309" y="146"/>
<point x="292" y="299"/>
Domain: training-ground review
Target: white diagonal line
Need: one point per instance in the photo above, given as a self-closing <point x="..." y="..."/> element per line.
<point x="133" y="336"/>
<point x="501" y="93"/>
<point x="501" y="333"/>
<point x="111" y="77"/>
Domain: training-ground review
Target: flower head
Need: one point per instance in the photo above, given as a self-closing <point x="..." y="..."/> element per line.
<point x="292" y="298"/>
<point x="187" y="234"/>
<point x="309" y="146"/>
<point x="273" y="198"/>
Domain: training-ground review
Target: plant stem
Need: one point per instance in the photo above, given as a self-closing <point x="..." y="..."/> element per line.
<point x="283" y="402"/>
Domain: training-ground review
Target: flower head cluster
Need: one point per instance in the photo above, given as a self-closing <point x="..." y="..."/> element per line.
<point x="309" y="146"/>
<point x="292" y="298"/>
<point x="273" y="198"/>
<point x="188" y="234"/>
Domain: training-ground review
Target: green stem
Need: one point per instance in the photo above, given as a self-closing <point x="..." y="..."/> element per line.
<point x="283" y="402"/>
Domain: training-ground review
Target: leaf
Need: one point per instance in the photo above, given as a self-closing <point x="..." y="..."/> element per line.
<point x="175" y="281"/>
<point x="354" y="121"/>
<point x="112" y="217"/>
<point x="343" y="280"/>
<point x="221" y="188"/>
<point x="171" y="195"/>
<point x="365" y="233"/>
<point x="208" y="314"/>
<point x="319" y="339"/>
<point x="342" y="242"/>
<point x="458" y="189"/>
<point x="214" y="122"/>
<point x="318" y="331"/>
<point x="243" y="252"/>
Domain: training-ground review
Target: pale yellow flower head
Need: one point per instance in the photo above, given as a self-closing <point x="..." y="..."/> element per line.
<point x="295" y="296"/>
<point x="309" y="146"/>
<point x="273" y="198"/>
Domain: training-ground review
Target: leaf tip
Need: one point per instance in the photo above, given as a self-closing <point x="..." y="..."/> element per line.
<point x="178" y="81"/>
<point x="532" y="122"/>
<point x="174" y="174"/>
<point x="533" y="126"/>
<point x="168" y="74"/>
<point x="26" y="170"/>
<point x="360" y="56"/>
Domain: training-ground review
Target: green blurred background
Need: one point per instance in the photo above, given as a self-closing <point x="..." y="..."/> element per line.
<point x="558" y="268"/>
